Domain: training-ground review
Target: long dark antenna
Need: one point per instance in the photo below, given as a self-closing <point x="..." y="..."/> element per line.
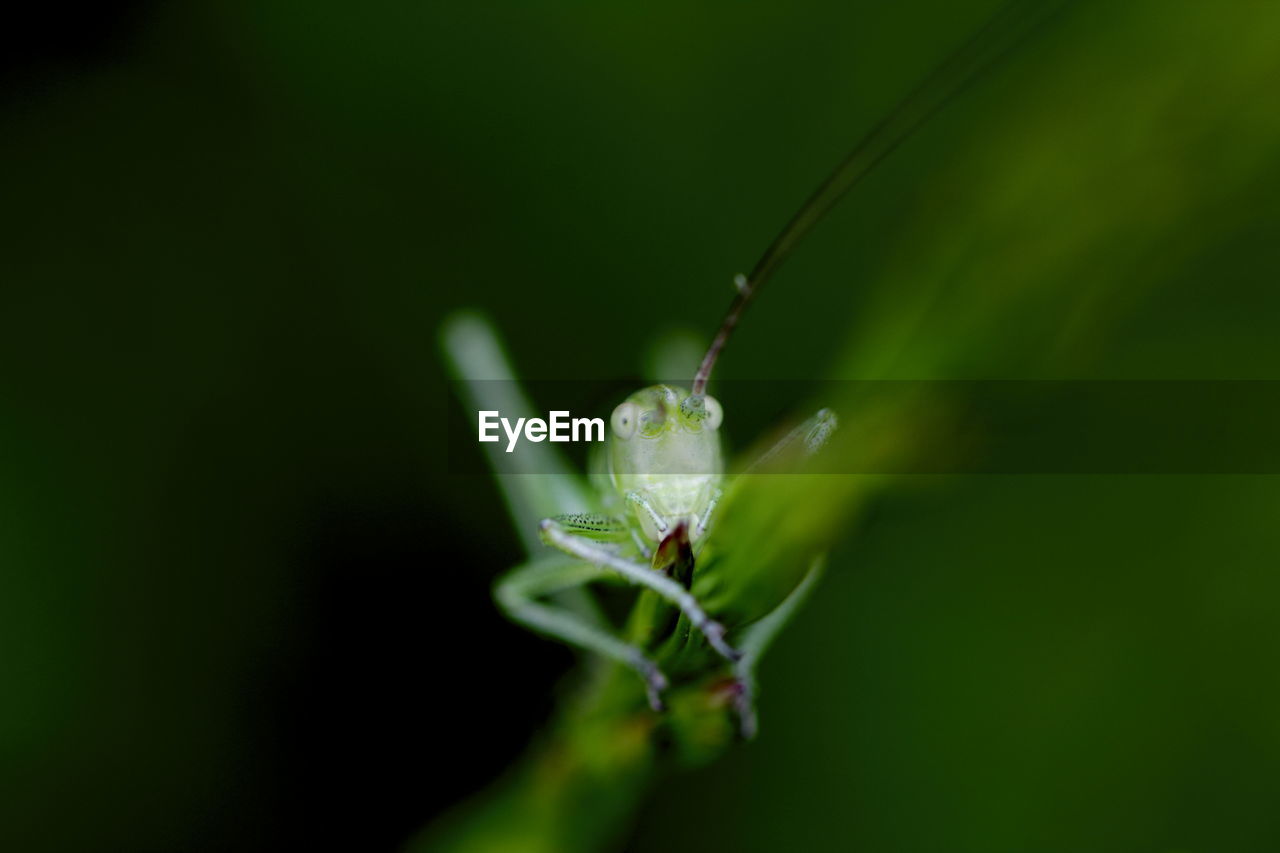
<point x="1000" y="34"/>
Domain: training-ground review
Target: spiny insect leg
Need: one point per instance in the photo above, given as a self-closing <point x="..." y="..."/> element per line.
<point x="593" y="525"/>
<point x="704" y="523"/>
<point x="554" y="534"/>
<point x="659" y="523"/>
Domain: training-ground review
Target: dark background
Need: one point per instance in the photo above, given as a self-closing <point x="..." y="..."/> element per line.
<point x="243" y="606"/>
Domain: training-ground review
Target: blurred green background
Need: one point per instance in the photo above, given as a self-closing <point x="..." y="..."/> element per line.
<point x="243" y="605"/>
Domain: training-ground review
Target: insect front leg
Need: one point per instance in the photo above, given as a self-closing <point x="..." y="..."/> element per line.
<point x="641" y="500"/>
<point x="555" y="534"/>
<point x="704" y="523"/>
<point x="518" y="594"/>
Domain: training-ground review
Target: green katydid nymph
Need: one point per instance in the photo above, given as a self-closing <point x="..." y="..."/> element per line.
<point x="660" y="477"/>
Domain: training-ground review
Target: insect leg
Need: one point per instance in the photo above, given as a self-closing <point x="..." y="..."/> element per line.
<point x="641" y="544"/>
<point x="554" y="534"/>
<point x="808" y="438"/>
<point x="517" y="593"/>
<point x="704" y="523"/>
<point x="593" y="525"/>
<point x="645" y="504"/>
<point x="756" y="640"/>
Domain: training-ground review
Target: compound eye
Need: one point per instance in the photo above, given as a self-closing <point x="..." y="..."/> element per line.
<point x="652" y="422"/>
<point x="715" y="414"/>
<point x="624" y="420"/>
